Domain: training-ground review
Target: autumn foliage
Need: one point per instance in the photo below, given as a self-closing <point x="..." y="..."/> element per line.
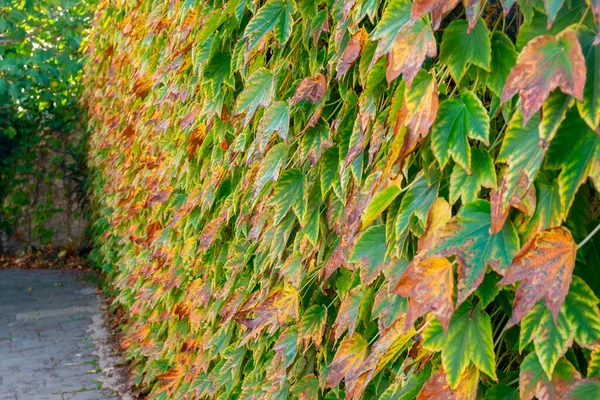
<point x="350" y="198"/>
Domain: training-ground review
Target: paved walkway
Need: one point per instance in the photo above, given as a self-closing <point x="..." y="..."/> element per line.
<point x="51" y="338"/>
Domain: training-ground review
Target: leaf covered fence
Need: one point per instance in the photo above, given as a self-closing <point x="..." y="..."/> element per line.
<point x="350" y="198"/>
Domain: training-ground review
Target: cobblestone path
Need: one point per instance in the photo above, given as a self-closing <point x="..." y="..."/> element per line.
<point x="49" y="337"/>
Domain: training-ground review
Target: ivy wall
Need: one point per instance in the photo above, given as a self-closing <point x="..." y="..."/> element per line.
<point x="350" y="198"/>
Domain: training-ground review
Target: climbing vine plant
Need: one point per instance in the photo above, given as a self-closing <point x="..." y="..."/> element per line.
<point x="351" y="198"/>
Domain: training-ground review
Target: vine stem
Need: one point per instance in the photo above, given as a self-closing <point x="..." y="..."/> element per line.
<point x="587" y="10"/>
<point x="417" y="177"/>
<point x="588" y="237"/>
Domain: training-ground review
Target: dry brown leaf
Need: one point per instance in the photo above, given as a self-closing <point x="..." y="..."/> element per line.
<point x="312" y="89"/>
<point x="352" y="51"/>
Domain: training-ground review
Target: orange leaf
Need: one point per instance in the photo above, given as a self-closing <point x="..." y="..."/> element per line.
<point x="169" y="381"/>
<point x="210" y="232"/>
<point x="429" y="283"/>
<point x="280" y="306"/>
<point x="195" y="139"/>
<point x="417" y="114"/>
<point x="544" y="266"/>
<point x="347" y="360"/>
<point x="437" y="217"/>
<point x="389" y="345"/>
<point x="437" y="388"/>
<point x="409" y="50"/>
<point x="545" y="63"/>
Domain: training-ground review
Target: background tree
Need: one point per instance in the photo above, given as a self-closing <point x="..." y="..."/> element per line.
<point x="40" y="86"/>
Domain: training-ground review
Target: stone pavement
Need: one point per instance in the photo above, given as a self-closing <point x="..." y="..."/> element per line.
<point x="51" y="334"/>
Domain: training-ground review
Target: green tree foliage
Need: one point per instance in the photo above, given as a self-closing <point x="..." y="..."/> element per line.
<point x="377" y="199"/>
<point x="40" y="87"/>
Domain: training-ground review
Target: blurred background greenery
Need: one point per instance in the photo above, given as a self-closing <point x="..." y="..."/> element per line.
<point x="42" y="135"/>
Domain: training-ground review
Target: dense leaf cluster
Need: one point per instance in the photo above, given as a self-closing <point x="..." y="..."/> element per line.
<point x="351" y="198"/>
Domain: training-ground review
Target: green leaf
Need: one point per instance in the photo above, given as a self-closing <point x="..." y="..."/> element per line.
<point x="312" y="325"/>
<point x="467" y="186"/>
<point x="489" y="289"/>
<point x="469" y="338"/>
<point x="551" y="339"/>
<point x="594" y="363"/>
<point x="434" y="335"/>
<point x="307" y="388"/>
<point x="290" y="192"/>
<point x="270" y="166"/>
<point x="314" y="141"/>
<point x="583" y="312"/>
<point x="257" y="92"/>
<point x="523" y="151"/>
<point x="467" y="236"/>
<point x="586" y="389"/>
<point x="348" y="312"/>
<point x="589" y="109"/>
<point x="537" y="23"/>
<point x="554" y="111"/>
<point x="459" y="119"/>
<point x="504" y="57"/>
<point x="329" y="169"/>
<point x="274" y="16"/>
<point x="286" y="345"/>
<point x="501" y="392"/>
<point x="459" y="48"/>
<point x="370" y="253"/>
<point x="552" y="8"/>
<point x="395" y="16"/>
<point x="577" y="155"/>
<point x="379" y="203"/>
<point x="529" y="325"/>
<point x="275" y="119"/>
<point x="547" y="211"/>
<point x="311" y="226"/>
<point x="417" y="201"/>
<point x="481" y="341"/>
